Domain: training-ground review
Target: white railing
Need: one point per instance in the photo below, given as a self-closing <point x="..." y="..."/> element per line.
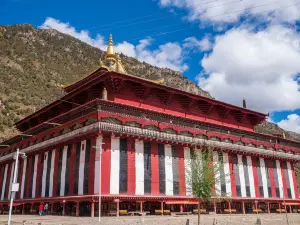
<point x="162" y="136"/>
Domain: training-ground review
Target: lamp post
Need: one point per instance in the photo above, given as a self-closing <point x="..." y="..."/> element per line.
<point x="100" y="173"/>
<point x="15" y="186"/>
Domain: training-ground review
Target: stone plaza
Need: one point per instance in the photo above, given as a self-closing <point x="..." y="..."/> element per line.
<point x="275" y="219"/>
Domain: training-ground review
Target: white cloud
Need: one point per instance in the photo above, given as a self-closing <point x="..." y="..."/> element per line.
<point x="126" y="48"/>
<point x="259" y="66"/>
<point x="291" y="123"/>
<point x="200" y="45"/>
<point x="231" y="11"/>
<point x="168" y="55"/>
<point x="66" y="28"/>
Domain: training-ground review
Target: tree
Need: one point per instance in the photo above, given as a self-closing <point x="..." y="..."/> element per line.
<point x="203" y="174"/>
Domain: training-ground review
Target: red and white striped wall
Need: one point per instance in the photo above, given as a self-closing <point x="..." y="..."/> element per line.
<point x="141" y="168"/>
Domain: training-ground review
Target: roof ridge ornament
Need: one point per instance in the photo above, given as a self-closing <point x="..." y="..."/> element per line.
<point x="112" y="60"/>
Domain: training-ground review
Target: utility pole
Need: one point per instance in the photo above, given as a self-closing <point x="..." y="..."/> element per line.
<point x="15" y="186"/>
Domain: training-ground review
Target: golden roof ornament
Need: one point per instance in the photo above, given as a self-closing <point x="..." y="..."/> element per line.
<point x="110" y="54"/>
<point x="160" y="81"/>
<point x="112" y="61"/>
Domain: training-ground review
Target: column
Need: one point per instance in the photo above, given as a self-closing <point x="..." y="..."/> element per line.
<point x="215" y="207"/>
<point x="285" y="207"/>
<point x="181" y="208"/>
<point x="243" y="207"/>
<point x="162" y="208"/>
<point x="77" y="208"/>
<point x="118" y="208"/>
<point x="279" y="205"/>
<point x="92" y="209"/>
<point x="52" y="208"/>
<point x="256" y="207"/>
<point x="229" y="206"/>
<point x="31" y="208"/>
<point x="141" y="206"/>
<point x="268" y="207"/>
<point x="290" y="209"/>
<point x="64" y="208"/>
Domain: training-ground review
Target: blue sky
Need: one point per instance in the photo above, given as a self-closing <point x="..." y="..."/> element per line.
<point x="232" y="48"/>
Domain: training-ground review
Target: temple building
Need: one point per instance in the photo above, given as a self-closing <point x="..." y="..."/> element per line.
<point x="146" y="132"/>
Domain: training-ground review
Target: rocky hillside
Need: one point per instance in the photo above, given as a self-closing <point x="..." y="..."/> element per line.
<point x="271" y="128"/>
<point x="34" y="63"/>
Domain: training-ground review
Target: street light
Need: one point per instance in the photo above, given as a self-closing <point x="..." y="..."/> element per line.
<point x="15" y="186"/>
<point x="100" y="173"/>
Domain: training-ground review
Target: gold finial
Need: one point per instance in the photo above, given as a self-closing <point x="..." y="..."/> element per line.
<point x="160" y="81"/>
<point x="110" y="54"/>
<point x="119" y="66"/>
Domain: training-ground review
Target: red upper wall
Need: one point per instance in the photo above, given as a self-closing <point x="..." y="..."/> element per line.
<point x="134" y="91"/>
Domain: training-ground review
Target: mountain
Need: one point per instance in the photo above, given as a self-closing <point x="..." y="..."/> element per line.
<point x="271" y="128"/>
<point x="35" y="63"/>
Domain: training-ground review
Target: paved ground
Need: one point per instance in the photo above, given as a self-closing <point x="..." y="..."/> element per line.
<point x="273" y="219"/>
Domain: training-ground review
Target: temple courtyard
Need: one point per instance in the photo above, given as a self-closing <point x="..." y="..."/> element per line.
<point x="274" y="219"/>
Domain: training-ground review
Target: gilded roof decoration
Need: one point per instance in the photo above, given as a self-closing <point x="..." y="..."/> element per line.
<point x="112" y="60"/>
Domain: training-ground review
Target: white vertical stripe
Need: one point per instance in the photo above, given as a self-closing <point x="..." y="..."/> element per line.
<point x="4" y="182"/>
<point x="34" y="176"/>
<point x="241" y="175"/>
<point x="168" y="170"/>
<point x="63" y="171"/>
<point x="99" y="145"/>
<point x="44" y="174"/>
<point x="115" y="165"/>
<point x="23" y="178"/>
<point x="81" y="167"/>
<point x="278" y="168"/>
<point x="139" y="167"/>
<point x="264" y="176"/>
<point x="11" y="179"/>
<point x="227" y="174"/>
<point x="187" y="170"/>
<point x="217" y="173"/>
<point x="251" y="177"/>
<point x="51" y="173"/>
<point x="291" y="179"/>
<point x="17" y="174"/>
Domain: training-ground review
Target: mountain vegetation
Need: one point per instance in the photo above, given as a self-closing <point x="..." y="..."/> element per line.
<point x="36" y="63"/>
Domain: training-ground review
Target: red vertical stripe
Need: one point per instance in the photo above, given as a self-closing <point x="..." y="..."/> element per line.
<point x="72" y="169"/>
<point x="28" y="182"/>
<point x="283" y="180"/>
<point x="232" y="176"/>
<point x="38" y="176"/>
<point x="255" y="176"/>
<point x="131" y="166"/>
<point x="154" y="169"/>
<point x="92" y="166"/>
<point x="21" y="175"/>
<point x="181" y="174"/>
<point x="295" y="182"/>
<point x="272" y="179"/>
<point x="55" y="172"/>
<point x="105" y="165"/>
